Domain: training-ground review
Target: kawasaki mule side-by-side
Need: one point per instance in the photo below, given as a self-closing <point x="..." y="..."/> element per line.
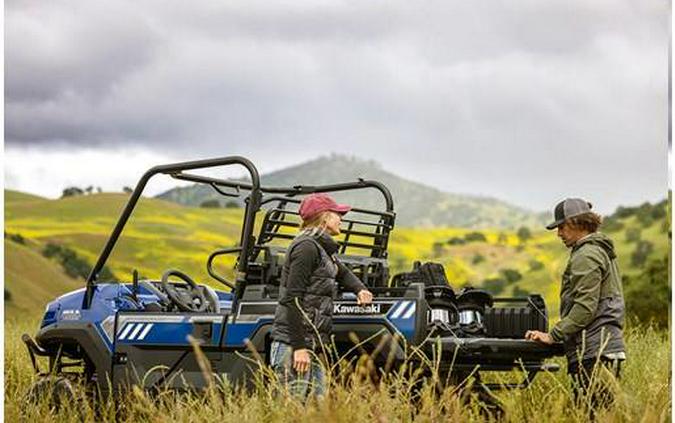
<point x="114" y="334"/>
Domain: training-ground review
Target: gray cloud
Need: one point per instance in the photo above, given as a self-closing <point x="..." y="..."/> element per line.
<point x="527" y="102"/>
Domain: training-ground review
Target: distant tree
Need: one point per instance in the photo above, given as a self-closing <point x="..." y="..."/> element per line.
<point x="232" y="205"/>
<point x="494" y="285"/>
<point x="127" y="190"/>
<point x="477" y="258"/>
<point x="74" y="265"/>
<point x="644" y="215"/>
<point x="456" y="241"/>
<point x="642" y="251"/>
<point x="511" y="275"/>
<point x="623" y="212"/>
<point x="89" y="189"/>
<point x="611" y="224"/>
<point x="18" y="238"/>
<point x="99" y="190"/>
<point x="8" y="295"/>
<point x="659" y="210"/>
<point x="633" y="234"/>
<point x="51" y="250"/>
<point x="210" y="204"/>
<point x="536" y="265"/>
<point x="524" y="234"/>
<point x="475" y="237"/>
<point x="71" y="192"/>
<point x="648" y="294"/>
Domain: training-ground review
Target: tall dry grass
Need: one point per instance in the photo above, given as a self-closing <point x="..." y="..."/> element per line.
<point x="643" y="395"/>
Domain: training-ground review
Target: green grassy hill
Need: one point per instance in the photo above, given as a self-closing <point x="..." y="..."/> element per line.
<point x="159" y="235"/>
<point x="163" y="235"/>
<point x="31" y="280"/>
<point x="17" y="196"/>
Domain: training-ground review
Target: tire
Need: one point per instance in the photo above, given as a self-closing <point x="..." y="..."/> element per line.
<point x="56" y="391"/>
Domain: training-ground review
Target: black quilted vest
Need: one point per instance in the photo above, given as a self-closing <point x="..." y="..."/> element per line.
<point x="317" y="303"/>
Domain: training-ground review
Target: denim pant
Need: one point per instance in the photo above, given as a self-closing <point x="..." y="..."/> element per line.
<point x="601" y="395"/>
<point x="299" y="385"/>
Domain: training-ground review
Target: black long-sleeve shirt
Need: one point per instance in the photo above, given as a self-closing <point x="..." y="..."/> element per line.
<point x="304" y="258"/>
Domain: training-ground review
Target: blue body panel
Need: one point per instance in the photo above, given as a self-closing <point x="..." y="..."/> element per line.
<point x="108" y="300"/>
<point x="162" y="333"/>
<point x="401" y="317"/>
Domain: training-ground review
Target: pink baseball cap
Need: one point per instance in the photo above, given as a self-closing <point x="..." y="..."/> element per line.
<point x="317" y="203"/>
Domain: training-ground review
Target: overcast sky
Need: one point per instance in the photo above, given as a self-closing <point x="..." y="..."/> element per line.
<point x="528" y="101"/>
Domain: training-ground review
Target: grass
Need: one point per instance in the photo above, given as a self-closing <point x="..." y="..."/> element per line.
<point x="643" y="394"/>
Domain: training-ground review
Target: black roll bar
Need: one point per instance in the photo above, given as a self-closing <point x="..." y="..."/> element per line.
<point x="295" y="190"/>
<point x="174" y="169"/>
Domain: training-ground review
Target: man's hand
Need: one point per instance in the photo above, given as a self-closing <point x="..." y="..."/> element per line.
<point x="543" y="337"/>
<point x="301" y="360"/>
<point x="364" y="297"/>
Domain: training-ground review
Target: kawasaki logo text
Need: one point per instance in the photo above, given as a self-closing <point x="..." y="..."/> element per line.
<point x="356" y="309"/>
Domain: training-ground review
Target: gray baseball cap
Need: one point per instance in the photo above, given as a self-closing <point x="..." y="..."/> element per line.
<point x="567" y="208"/>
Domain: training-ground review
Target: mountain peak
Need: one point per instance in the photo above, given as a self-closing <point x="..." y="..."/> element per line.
<point x="415" y="204"/>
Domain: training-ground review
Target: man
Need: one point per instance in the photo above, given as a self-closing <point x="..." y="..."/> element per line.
<point x="591" y="301"/>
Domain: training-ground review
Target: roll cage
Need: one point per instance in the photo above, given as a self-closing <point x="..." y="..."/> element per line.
<point x="362" y="244"/>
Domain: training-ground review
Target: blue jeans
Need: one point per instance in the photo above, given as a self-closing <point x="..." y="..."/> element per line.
<point x="299" y="385"/>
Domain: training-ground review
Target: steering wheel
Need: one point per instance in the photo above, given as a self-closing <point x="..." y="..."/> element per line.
<point x="192" y="300"/>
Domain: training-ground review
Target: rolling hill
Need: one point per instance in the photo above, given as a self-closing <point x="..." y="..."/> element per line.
<point x="416" y="204"/>
<point x="163" y="235"/>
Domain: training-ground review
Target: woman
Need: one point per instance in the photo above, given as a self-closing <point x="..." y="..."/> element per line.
<point x="303" y="319"/>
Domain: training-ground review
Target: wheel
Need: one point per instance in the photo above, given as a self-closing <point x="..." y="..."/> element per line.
<point x="56" y="391"/>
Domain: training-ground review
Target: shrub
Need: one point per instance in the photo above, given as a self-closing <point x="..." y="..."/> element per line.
<point x="536" y="265"/>
<point x="659" y="210"/>
<point x="475" y="237"/>
<point x="611" y="224"/>
<point x="71" y="192"/>
<point x="72" y="264"/>
<point x="623" y="212"/>
<point x="633" y="234"/>
<point x="477" y="258"/>
<point x="456" y="241"/>
<point x="524" y="234"/>
<point x="210" y="204"/>
<point x="647" y="295"/>
<point x="232" y="205"/>
<point x="645" y="219"/>
<point x="18" y="238"/>
<point x="51" y="250"/>
<point x="511" y="275"/>
<point x="8" y="295"/>
<point x="642" y="251"/>
<point x="494" y="285"/>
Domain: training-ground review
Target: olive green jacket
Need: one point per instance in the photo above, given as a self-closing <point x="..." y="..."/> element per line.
<point x="591" y="301"/>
